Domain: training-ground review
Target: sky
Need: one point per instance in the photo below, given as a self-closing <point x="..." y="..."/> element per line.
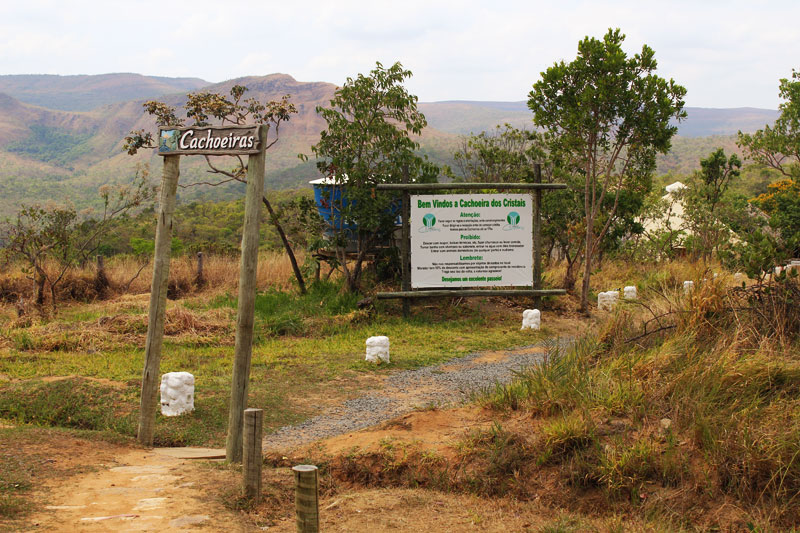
<point x="726" y="53"/>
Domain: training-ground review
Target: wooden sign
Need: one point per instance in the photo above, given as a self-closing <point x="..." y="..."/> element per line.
<point x="213" y="140"/>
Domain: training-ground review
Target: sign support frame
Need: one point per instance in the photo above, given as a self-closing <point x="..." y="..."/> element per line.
<point x="407" y="294"/>
<point x="246" y="304"/>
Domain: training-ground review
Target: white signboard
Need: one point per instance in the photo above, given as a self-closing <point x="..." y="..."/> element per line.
<point x="471" y="240"/>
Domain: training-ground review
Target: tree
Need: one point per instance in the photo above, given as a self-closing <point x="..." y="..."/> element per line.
<point x="201" y="108"/>
<point x="778" y="147"/>
<point x="52" y="239"/>
<point x="505" y="155"/>
<point x="782" y="204"/>
<point x="606" y="116"/>
<point x="707" y="223"/>
<point x="368" y="141"/>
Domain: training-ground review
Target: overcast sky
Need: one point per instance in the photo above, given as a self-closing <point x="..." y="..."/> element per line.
<point x="726" y="53"/>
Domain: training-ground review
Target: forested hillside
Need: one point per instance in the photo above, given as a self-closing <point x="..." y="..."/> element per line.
<point x="47" y="153"/>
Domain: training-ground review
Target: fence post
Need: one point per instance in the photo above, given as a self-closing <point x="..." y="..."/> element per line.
<point x="251" y="468"/>
<point x="537" y="236"/>
<point x="101" y="280"/>
<point x="405" y="244"/>
<point x="199" y="278"/>
<point x="306" y="498"/>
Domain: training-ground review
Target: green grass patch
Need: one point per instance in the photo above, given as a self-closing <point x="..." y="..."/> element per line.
<point x="306" y="346"/>
<point x="15" y="482"/>
<point x="69" y="403"/>
<point x="280" y="313"/>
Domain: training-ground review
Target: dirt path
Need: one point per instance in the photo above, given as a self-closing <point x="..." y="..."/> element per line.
<point x="140" y="491"/>
<point x="448" y="384"/>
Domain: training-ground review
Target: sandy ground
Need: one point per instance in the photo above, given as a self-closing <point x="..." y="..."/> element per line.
<point x="138" y="490"/>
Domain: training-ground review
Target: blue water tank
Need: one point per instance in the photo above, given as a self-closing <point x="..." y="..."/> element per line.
<point x="330" y="196"/>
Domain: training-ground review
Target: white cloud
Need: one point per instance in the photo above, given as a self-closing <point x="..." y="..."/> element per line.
<point x="726" y="53"/>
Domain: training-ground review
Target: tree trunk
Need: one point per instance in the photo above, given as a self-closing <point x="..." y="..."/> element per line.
<point x="297" y="274"/>
<point x="54" y="303"/>
<point x="569" y="277"/>
<point x="587" y="267"/>
<point x="40" y="281"/>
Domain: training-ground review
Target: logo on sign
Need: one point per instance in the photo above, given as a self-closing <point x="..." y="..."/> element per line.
<point x="168" y="141"/>
<point x="428" y="223"/>
<point x="513" y="219"/>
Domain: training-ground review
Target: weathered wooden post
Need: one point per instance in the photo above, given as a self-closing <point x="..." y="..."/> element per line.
<point x="200" y="279"/>
<point x="243" y="349"/>
<point x="306" y="498"/>
<point x="253" y="425"/>
<point x="537" y="236"/>
<point x="158" y="300"/>
<point x="101" y="280"/>
<point x="405" y="245"/>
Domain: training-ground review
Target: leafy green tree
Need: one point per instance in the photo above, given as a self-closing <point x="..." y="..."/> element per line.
<point x="504" y="155"/>
<point x="706" y="215"/>
<point x="606" y="116"/>
<point x="778" y="146"/>
<point x="717" y="172"/>
<point x="367" y="141"/>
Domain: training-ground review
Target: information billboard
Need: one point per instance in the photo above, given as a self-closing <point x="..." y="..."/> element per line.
<point x="471" y="240"/>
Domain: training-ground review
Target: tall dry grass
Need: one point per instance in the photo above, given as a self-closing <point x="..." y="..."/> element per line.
<point x="129" y="275"/>
<point x="703" y="409"/>
<point x="221" y="273"/>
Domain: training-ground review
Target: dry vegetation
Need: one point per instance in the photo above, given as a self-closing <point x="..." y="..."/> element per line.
<point x="130" y="276"/>
<point x="694" y="425"/>
<point x="676" y="412"/>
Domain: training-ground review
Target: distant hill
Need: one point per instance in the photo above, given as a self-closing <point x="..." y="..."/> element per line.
<point x="85" y="92"/>
<point x="464" y="117"/>
<point x="51" y="154"/>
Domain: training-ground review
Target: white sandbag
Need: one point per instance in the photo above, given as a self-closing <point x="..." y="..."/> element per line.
<point x="177" y="393"/>
<point x="531" y="319"/>
<point x="607" y="301"/>
<point x="629" y="292"/>
<point x="378" y="349"/>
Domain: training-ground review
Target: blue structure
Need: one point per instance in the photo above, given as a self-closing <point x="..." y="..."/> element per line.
<point x="330" y="196"/>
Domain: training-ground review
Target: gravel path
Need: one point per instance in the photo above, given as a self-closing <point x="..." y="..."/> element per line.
<point x="449" y="383"/>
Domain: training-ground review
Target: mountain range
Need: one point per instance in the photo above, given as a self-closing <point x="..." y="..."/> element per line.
<point x="61" y="136"/>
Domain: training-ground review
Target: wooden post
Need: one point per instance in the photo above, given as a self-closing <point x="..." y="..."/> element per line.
<point x="101" y="280"/>
<point x="199" y="279"/>
<point x="158" y="300"/>
<point x="537" y="235"/>
<point x="248" y="267"/>
<point x="405" y="245"/>
<point x="306" y="498"/>
<point x="253" y="424"/>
